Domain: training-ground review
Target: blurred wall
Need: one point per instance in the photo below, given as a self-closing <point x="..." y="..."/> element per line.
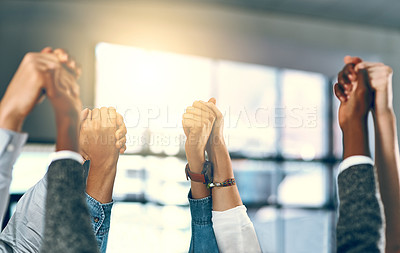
<point x="198" y="29"/>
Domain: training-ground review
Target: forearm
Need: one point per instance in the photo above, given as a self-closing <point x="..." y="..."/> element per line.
<point x="196" y="160"/>
<point x="224" y="198"/>
<point x="387" y="164"/>
<point x="100" y="182"/>
<point x="67" y="134"/>
<point x="355" y="138"/>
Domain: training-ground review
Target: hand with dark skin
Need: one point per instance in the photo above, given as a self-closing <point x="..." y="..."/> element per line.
<point x="387" y="159"/>
<point x="102" y="139"/>
<point x="353" y="115"/>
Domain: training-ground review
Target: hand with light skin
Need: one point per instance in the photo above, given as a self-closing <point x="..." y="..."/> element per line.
<point x="203" y="125"/>
<point x="197" y="122"/>
<point x="387" y="160"/>
<point x="102" y="139"/>
<point x="35" y="74"/>
<point x="224" y="198"/>
<point x="55" y="74"/>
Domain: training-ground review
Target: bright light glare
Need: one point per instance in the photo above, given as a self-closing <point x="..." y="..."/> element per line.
<point x="151" y="89"/>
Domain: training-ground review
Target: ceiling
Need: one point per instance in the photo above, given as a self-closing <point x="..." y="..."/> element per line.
<point x="378" y="13"/>
<point x="381" y="13"/>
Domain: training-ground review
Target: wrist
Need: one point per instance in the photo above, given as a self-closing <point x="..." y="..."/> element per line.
<point x="10" y="119"/>
<point x="67" y="135"/>
<point x="383" y="101"/>
<point x="349" y="124"/>
<point x="355" y="139"/>
<point x="104" y="166"/>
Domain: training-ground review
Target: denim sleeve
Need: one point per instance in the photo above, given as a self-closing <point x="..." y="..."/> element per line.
<point x="100" y="215"/>
<point x="203" y="237"/>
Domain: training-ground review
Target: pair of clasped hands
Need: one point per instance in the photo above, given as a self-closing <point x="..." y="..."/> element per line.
<point x="99" y="135"/>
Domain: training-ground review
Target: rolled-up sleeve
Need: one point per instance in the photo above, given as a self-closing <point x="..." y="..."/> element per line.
<point x="203" y="237"/>
<point x="100" y="215"/>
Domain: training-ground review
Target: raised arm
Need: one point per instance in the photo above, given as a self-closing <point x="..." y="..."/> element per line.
<point x="386" y="143"/>
<point x="197" y="124"/>
<point x="67" y="219"/>
<point x="361" y="222"/>
<point x="232" y="226"/>
<point x="102" y="138"/>
<point x="22" y="94"/>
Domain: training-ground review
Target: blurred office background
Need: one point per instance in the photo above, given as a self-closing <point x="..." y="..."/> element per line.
<point x="270" y="65"/>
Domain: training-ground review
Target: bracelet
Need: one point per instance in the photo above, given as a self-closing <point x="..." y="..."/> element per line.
<point x="228" y="182"/>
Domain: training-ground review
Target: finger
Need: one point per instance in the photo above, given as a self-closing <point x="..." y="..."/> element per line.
<point x="69" y="81"/>
<point x="339" y="92"/>
<point x="84" y="114"/>
<point x="112" y="115"/>
<point x="186" y="129"/>
<point x="347" y="71"/>
<point x="367" y="65"/>
<point x="194" y="117"/>
<point x="380" y="69"/>
<point x="189" y="123"/>
<point x="205" y="108"/>
<point x="200" y="105"/>
<point x="198" y="111"/>
<point x="215" y="110"/>
<point x="352" y="59"/>
<point x="95" y="114"/>
<point x="47" y="50"/>
<point x="120" y="120"/>
<point x="78" y="71"/>
<point x="50" y="61"/>
<point x="120" y="143"/>
<point x="104" y="116"/>
<point x="363" y="79"/>
<point x="212" y="100"/>
<point x="122" y="150"/>
<point x="61" y="54"/>
<point x="121" y="132"/>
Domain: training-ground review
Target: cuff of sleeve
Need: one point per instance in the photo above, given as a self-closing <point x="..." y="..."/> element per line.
<point x="11" y="141"/>
<point x="11" y="144"/>
<point x="354" y="160"/>
<point x="237" y="214"/>
<point x="200" y="209"/>
<point x="66" y="154"/>
<point x="100" y="215"/>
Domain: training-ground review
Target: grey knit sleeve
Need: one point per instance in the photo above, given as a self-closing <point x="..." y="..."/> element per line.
<point x="67" y="220"/>
<point x="361" y="221"/>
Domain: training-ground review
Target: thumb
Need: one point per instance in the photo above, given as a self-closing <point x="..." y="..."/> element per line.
<point x="363" y="80"/>
<point x="213" y="100"/>
<point x="46" y="50"/>
<point x="352" y="59"/>
<point x="84" y="114"/>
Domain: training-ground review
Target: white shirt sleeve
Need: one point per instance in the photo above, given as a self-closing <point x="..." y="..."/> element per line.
<point x="11" y="144"/>
<point x="66" y="154"/>
<point x="234" y="231"/>
<point x="354" y="160"/>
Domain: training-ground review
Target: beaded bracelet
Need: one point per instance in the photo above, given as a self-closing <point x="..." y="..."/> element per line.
<point x="228" y="182"/>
